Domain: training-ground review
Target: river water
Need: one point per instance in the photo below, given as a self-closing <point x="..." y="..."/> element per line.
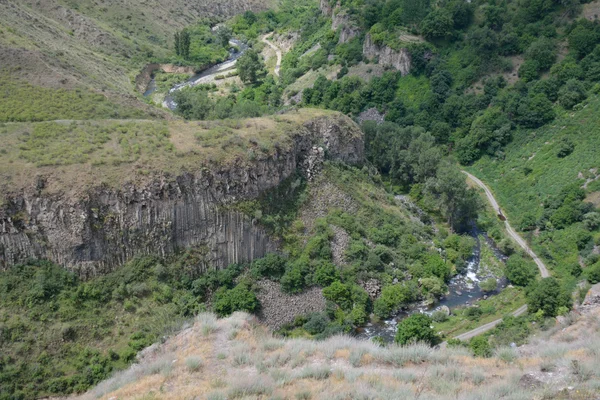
<point x="205" y="76"/>
<point x="463" y="289"/>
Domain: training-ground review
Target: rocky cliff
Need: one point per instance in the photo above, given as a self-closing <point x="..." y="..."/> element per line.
<point x="103" y="227"/>
<point x="400" y="60"/>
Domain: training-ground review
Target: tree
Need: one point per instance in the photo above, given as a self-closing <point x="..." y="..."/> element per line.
<point x="391" y="299"/>
<point x="548" y="296"/>
<point x="457" y="202"/>
<point x="184" y="44"/>
<point x="437" y="24"/>
<point x="543" y="52"/>
<point x="224" y="35"/>
<point x="177" y="43"/>
<point x="250" y="66"/>
<point x="240" y="298"/>
<point x="416" y="328"/>
<point x="489" y="285"/>
<point x="572" y="93"/>
<point x="519" y="271"/>
<point x="535" y="111"/>
<point x="582" y="39"/>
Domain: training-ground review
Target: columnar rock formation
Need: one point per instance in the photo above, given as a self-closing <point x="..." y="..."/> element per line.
<point x="104" y="227"/>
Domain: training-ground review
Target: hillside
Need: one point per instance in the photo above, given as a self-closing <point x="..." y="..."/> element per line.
<point x="237" y="358"/>
<point x="530" y="181"/>
<point x="72" y="47"/>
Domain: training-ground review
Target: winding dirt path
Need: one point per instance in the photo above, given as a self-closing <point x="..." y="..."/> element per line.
<point x="511" y="232"/>
<point x="276" y="49"/>
<point x="520" y="241"/>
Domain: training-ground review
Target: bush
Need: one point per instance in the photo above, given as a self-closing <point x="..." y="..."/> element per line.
<point x="481" y="346"/>
<point x="240" y="298"/>
<point x="565" y="147"/>
<point x="416" y="328"/>
<point x="548" y="296"/>
<point x="194" y="363"/>
<point x="271" y="266"/>
<point x="489" y="285"/>
<point x="317" y="322"/>
<point x="572" y="93"/>
<point x="519" y="271"/>
<point x="391" y="299"/>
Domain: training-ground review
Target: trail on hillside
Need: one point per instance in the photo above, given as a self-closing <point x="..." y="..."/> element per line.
<point x="276" y="49"/>
<point x="517" y="238"/>
<point x="511" y="232"/>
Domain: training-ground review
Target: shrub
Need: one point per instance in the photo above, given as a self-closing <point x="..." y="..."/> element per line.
<point x="480" y="346"/>
<point x="572" y="93"/>
<point x="548" y="296"/>
<point x="416" y="328"/>
<point x="519" y="271"/>
<point x="317" y="322"/>
<point x="489" y="285"/>
<point x="194" y="363"/>
<point x="240" y="298"/>
<point x="565" y="147"/>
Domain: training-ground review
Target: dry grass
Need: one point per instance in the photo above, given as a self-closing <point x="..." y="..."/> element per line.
<point x="260" y="366"/>
<point x="143" y="157"/>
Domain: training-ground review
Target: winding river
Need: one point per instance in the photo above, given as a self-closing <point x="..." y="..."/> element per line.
<point x="463" y="289"/>
<point x="206" y="76"/>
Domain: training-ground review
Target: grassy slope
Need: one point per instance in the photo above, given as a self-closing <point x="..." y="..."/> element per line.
<point x="66" y="44"/>
<point x="236" y="358"/>
<point x="520" y="191"/>
<point x="113" y="151"/>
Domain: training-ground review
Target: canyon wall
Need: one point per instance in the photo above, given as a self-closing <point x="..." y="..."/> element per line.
<point x="104" y="227"/>
<point x="399" y="60"/>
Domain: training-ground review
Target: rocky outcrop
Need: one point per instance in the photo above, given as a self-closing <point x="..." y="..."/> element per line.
<point x="342" y="21"/>
<point x="103" y="227"/>
<point x="385" y="55"/>
<point x="326" y="7"/>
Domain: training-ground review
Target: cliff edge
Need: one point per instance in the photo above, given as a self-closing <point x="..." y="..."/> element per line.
<point x="92" y="217"/>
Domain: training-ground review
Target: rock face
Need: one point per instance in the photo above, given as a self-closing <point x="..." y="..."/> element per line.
<point x="104" y="227"/>
<point x="342" y="21"/>
<point x="399" y="60"/>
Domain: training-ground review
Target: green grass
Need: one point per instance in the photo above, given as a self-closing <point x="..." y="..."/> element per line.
<point x="532" y="173"/>
<point x="493" y="308"/>
<point x="413" y="90"/>
<point x="22" y="101"/>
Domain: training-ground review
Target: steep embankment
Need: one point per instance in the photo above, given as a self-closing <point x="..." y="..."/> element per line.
<point x="236" y="358"/>
<point x="542" y="181"/>
<point x="136" y="191"/>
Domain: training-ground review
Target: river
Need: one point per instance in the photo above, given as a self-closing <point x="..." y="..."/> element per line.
<point x="206" y="76"/>
<point x="463" y="289"/>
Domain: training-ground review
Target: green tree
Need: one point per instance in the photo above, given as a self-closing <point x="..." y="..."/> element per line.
<point x="548" y="296"/>
<point x="572" y="93"/>
<point x="543" y="51"/>
<point x="416" y="328"/>
<point x="519" y="271"/>
<point x="224" y="35"/>
<point x="457" y="202"/>
<point x="583" y="39"/>
<point x="185" y="42"/>
<point x="437" y="24"/>
<point x="240" y="298"/>
<point x="392" y="298"/>
<point x="177" y="43"/>
<point x="250" y="67"/>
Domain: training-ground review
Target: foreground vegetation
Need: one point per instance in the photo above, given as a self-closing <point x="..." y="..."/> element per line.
<point x="236" y="358"/>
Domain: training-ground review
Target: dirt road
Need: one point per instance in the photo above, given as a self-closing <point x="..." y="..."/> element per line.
<point x="276" y="49"/>
<point x="511" y="232"/>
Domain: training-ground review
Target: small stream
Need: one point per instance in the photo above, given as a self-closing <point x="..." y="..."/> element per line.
<point x="463" y="289"/>
<point x="205" y="76"/>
